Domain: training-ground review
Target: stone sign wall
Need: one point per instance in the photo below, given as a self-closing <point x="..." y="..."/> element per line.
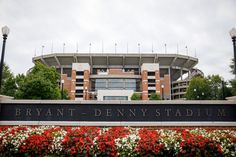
<point x="120" y="111"/>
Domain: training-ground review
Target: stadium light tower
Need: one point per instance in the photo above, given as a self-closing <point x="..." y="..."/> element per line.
<point x="232" y="33"/>
<point x="5" y="32"/>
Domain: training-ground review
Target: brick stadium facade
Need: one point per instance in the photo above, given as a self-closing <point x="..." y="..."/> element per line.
<point x="96" y="76"/>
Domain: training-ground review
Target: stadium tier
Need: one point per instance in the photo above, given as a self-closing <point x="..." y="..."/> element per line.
<point x="109" y="76"/>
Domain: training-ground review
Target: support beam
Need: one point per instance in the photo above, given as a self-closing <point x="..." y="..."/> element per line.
<point x="107" y="61"/>
<point x="91" y="64"/>
<point x="123" y="60"/>
<point x="75" y="59"/>
<point x="173" y="61"/>
<point x="188" y="60"/>
<point x="140" y="60"/>
<point x="91" y="60"/>
<point x="44" y="62"/>
<point x="156" y="59"/>
<point x="61" y="70"/>
<point x="59" y="64"/>
<point x="170" y="80"/>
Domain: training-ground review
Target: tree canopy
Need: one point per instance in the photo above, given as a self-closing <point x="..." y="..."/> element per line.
<point x="40" y="83"/>
<point x="199" y="89"/>
<point x="8" y="82"/>
<point x="215" y="82"/>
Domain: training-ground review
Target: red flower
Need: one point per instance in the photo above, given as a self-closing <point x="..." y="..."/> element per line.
<point x="106" y="142"/>
<point x="79" y="140"/>
<point x="148" y="143"/>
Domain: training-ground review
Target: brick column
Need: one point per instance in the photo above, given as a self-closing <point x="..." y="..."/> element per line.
<point x="144" y="85"/>
<point x="72" y="90"/>
<point x="167" y="86"/>
<point x="86" y="85"/>
<point x="158" y="83"/>
<point x="67" y="83"/>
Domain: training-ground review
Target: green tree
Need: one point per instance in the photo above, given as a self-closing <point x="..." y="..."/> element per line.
<point x="215" y="82"/>
<point x="20" y="78"/>
<point x="8" y="82"/>
<point x="198" y="89"/>
<point x="136" y="96"/>
<point x="66" y="95"/>
<point x="40" y="83"/>
<point x="154" y="96"/>
<point x="227" y="90"/>
<point x="233" y="87"/>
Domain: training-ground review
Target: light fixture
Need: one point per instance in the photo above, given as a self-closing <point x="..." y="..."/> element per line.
<point x="232" y="33"/>
<point x="5" y="30"/>
<point x="62" y="81"/>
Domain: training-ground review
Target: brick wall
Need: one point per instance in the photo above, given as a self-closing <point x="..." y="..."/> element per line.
<point x="158" y="83"/>
<point x="86" y="85"/>
<point x="144" y="85"/>
<point x="119" y="72"/>
<point x="67" y="83"/>
<point x="166" y="83"/>
<point x="73" y="79"/>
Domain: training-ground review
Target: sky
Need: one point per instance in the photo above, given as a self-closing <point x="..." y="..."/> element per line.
<point x="199" y="28"/>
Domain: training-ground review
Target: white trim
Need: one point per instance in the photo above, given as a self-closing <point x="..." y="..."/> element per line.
<point x="111" y="123"/>
<point x="151" y="77"/>
<point x="79" y="99"/>
<point x="79" y="76"/>
<point x="79" y="87"/>
<point x="151" y="88"/>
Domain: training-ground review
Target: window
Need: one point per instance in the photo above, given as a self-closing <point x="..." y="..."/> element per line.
<point x="151" y="91"/>
<point x="115" y="84"/>
<point x="130" y="84"/>
<point x="79" y="80"/>
<point x="152" y="85"/>
<point x="151" y="81"/>
<point x="115" y="97"/>
<point x="79" y="91"/>
<point x="151" y="73"/>
<point x="79" y="96"/>
<point x="100" y="84"/>
<point x="79" y="73"/>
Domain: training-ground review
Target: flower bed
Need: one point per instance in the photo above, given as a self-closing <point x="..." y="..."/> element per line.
<point x="115" y="141"/>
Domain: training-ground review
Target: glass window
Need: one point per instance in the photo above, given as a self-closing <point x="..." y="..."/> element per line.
<point x="101" y="80"/>
<point x="79" y="73"/>
<point x="100" y="84"/>
<point x="152" y="85"/>
<point x="79" y="80"/>
<point x="79" y="91"/>
<point x="79" y="96"/>
<point x="151" y="81"/>
<point x="115" y="97"/>
<point x="115" y="83"/>
<point x="151" y="73"/>
<point x="151" y="91"/>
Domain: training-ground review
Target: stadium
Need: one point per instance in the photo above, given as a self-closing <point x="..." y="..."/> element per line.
<point x="116" y="76"/>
